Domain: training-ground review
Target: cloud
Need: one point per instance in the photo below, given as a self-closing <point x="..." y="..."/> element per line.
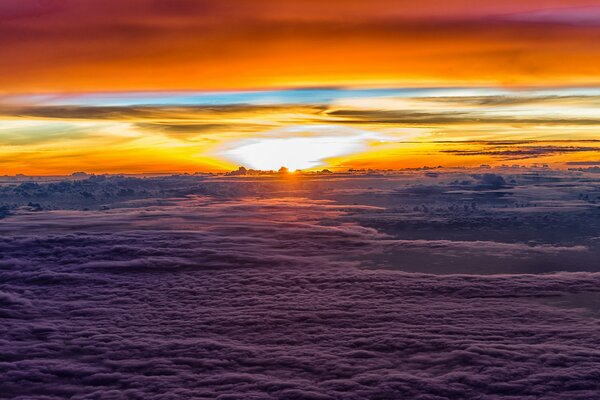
<point x="525" y="152"/>
<point x="134" y="131"/>
<point x="583" y="163"/>
<point x="22" y="133"/>
<point x="153" y="113"/>
<point x="28" y="9"/>
<point x="100" y="45"/>
<point x="514" y="99"/>
<point x="495" y="249"/>
<point x="417" y="116"/>
<point x="491" y="181"/>
<point x="581" y="16"/>
<point x="149" y="327"/>
<point x="201" y="287"/>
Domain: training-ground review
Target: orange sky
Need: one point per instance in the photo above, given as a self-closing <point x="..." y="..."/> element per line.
<point x="73" y="45"/>
<point x="516" y="66"/>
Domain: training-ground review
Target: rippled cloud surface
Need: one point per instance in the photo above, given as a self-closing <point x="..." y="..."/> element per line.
<point x="434" y="284"/>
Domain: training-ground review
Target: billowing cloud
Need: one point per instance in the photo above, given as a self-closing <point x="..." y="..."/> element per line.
<point x="297" y="288"/>
<point x="108" y="315"/>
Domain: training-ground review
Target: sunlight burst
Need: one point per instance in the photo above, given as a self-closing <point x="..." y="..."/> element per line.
<point x="298" y="148"/>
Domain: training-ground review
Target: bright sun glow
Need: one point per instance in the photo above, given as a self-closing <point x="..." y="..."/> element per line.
<point x="299" y="148"/>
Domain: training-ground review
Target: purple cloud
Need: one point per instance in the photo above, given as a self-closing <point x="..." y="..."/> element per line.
<point x="231" y="295"/>
<point x="586" y="16"/>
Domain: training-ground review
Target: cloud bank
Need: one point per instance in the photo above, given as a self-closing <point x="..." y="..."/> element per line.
<point x="228" y="288"/>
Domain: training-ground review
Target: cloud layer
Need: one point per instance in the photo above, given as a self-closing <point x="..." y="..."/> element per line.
<point x="139" y="325"/>
<point x="197" y="287"/>
<point x="332" y="128"/>
<point x="156" y="44"/>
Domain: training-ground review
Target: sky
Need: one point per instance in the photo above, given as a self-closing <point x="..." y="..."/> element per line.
<point x="447" y="249"/>
<point x="185" y="86"/>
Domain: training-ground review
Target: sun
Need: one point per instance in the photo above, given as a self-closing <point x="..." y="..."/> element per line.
<point x="298" y="147"/>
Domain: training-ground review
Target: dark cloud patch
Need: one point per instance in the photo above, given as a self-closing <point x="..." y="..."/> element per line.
<point x="189" y="130"/>
<point x="593" y="170"/>
<point x="77" y="112"/>
<point x="505" y="142"/>
<point x="492" y="181"/>
<point x="523" y="152"/>
<point x="583" y="163"/>
<point x="396" y="116"/>
<point x="579" y="16"/>
<point x="509" y="100"/>
<point x="148" y="112"/>
<point x="175" y="118"/>
<point x="183" y="130"/>
<point x="444" y="117"/>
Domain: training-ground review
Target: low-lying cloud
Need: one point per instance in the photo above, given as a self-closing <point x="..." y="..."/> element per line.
<point x="227" y="288"/>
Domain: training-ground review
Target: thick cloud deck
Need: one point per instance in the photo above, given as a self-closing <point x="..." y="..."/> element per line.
<point x="294" y="333"/>
<point x="233" y="296"/>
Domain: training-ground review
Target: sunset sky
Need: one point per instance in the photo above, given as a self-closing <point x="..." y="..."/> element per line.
<point x="299" y="199"/>
<point x="182" y="86"/>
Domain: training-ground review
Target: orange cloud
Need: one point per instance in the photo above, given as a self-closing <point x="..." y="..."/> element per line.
<point x="54" y="47"/>
<point x="450" y="127"/>
<point x="157" y="44"/>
